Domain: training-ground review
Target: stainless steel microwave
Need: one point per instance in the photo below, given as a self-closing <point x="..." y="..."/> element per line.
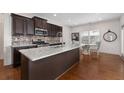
<point x="42" y="32"/>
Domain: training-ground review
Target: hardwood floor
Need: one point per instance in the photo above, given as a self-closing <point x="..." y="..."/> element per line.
<point x="9" y="73"/>
<point x="1" y="63"/>
<point x="106" y="67"/>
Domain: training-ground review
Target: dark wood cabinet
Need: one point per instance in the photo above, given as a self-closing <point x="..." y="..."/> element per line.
<point x="16" y="57"/>
<point x="49" y="29"/>
<point x="48" y="68"/>
<point x="26" y="26"/>
<point x="53" y="30"/>
<point x="40" y="23"/>
<point x="18" y="25"/>
<point x="30" y="27"/>
<point x="22" y="25"/>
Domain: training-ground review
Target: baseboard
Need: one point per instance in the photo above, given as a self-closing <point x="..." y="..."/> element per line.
<point x="5" y="66"/>
<point x="8" y="66"/>
<point x="109" y="53"/>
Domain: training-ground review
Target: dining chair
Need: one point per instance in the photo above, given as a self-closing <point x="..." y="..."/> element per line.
<point x="95" y="49"/>
<point x="85" y="50"/>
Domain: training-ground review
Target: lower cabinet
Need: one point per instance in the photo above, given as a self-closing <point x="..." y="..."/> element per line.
<point x="48" y="68"/>
<point x="16" y="57"/>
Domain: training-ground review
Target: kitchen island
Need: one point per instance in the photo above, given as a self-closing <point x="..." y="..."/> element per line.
<point x="47" y="63"/>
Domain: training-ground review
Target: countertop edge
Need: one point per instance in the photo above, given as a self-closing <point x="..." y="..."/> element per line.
<point x="53" y="54"/>
<point x="49" y="54"/>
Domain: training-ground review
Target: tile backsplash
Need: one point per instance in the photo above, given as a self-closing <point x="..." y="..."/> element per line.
<point x="28" y="39"/>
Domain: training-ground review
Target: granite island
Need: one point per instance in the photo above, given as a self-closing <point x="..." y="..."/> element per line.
<point x="47" y="63"/>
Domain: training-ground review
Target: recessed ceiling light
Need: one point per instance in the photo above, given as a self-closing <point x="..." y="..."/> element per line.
<point x="54" y="14"/>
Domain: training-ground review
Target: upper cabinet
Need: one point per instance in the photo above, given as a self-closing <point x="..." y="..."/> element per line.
<point x="26" y="26"/>
<point x="22" y="25"/>
<point x="18" y="25"/>
<point x="54" y="30"/>
<point x="30" y="27"/>
<point x="40" y="23"/>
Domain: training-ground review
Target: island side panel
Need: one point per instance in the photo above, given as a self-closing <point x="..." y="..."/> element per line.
<point x="24" y="67"/>
<point x="51" y="67"/>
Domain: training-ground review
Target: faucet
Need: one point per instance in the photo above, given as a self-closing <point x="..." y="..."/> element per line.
<point x="59" y="34"/>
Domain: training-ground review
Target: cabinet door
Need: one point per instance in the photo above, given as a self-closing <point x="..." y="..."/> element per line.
<point x="44" y="24"/>
<point x="60" y="30"/>
<point x="16" y="57"/>
<point x="40" y="23"/>
<point x="53" y="30"/>
<point x="30" y="27"/>
<point x="18" y="26"/>
<point x="48" y="29"/>
<point x="37" y="23"/>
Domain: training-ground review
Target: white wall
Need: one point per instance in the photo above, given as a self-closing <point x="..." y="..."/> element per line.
<point x="1" y="36"/>
<point x="107" y="47"/>
<point x="8" y="35"/>
<point x="7" y="39"/>
<point x="122" y="40"/>
<point x="122" y="20"/>
<point x="67" y="35"/>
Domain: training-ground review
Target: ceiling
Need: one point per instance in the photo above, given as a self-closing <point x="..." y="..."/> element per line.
<point x="74" y="19"/>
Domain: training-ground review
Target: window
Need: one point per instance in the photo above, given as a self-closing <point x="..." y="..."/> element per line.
<point x="90" y="37"/>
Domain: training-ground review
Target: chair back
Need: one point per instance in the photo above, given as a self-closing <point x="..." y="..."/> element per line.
<point x="98" y="45"/>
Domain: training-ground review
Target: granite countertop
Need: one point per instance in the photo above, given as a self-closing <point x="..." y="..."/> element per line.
<point x="42" y="52"/>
